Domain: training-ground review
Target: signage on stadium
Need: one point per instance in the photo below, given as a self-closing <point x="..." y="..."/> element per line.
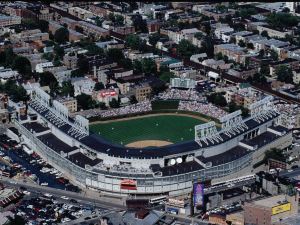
<point x="175" y="202"/>
<point x="128" y="184"/>
<point x="198" y="194"/>
<point x="281" y="208"/>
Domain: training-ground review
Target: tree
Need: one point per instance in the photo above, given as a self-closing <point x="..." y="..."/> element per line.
<point x="232" y="107"/>
<point x="132" y="99"/>
<point x="23" y="66"/>
<point x="79" y="29"/>
<point x="59" y="51"/>
<point x="85" y="101"/>
<point x="148" y="66"/>
<point x="232" y="40"/>
<point x="115" y="54"/>
<point x="250" y="45"/>
<point x="61" y="35"/>
<point x="83" y="65"/>
<point x="274" y="55"/>
<point x="154" y="38"/>
<point x="114" y="103"/>
<point x="137" y="66"/>
<point x="15" y="92"/>
<point x="219" y="56"/>
<point x="166" y="76"/>
<point x="46" y="78"/>
<point x="76" y="73"/>
<point x="67" y="89"/>
<point x="217" y="99"/>
<point x="186" y="49"/>
<point x="242" y="43"/>
<point x="264" y="33"/>
<point x="258" y="78"/>
<point x="43" y="25"/>
<point x="282" y="20"/>
<point x="139" y="24"/>
<point x="284" y="74"/>
<point x="208" y="45"/>
<point x="99" y="86"/>
<point x="135" y="42"/>
<point x="48" y="56"/>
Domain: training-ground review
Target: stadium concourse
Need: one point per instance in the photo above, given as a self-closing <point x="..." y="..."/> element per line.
<point x="91" y="161"/>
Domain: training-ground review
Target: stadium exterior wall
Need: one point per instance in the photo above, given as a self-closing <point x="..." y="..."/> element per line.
<point x="110" y="182"/>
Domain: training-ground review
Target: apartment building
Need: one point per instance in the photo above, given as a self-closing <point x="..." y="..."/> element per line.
<point x="9" y="20"/>
<point x="232" y="51"/>
<point x="89" y="28"/>
<point x="80" y="12"/>
<point x="70" y="103"/>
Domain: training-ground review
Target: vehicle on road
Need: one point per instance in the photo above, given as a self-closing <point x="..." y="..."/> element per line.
<point x="64" y="197"/>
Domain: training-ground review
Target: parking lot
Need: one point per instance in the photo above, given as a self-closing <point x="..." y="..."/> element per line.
<point x="45" y="209"/>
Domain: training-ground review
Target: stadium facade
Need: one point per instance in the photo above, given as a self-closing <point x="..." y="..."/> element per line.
<point x="92" y="162"/>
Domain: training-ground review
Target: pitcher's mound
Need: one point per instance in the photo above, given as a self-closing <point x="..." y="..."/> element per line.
<point x="148" y="143"/>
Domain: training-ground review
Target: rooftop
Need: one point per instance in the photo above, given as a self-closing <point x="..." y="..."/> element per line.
<point x="272" y="201"/>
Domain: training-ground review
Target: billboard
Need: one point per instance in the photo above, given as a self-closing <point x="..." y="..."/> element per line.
<point x="127" y="184"/>
<point x="281" y="208"/>
<point x="198" y="193"/>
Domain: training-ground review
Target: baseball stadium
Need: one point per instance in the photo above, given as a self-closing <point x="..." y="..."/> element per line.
<point x="142" y="152"/>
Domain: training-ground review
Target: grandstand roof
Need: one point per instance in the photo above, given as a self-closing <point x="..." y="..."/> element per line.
<point x="99" y="144"/>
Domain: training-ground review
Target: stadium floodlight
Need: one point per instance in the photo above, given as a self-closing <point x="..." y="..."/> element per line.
<point x="179" y="160"/>
<point x="172" y="162"/>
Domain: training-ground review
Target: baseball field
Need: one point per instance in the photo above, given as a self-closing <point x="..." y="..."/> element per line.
<point x="148" y="130"/>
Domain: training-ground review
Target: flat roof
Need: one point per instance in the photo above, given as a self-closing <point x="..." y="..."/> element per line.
<point x="36" y="127"/>
<point x="81" y="160"/>
<point x="272" y="201"/>
<point x="98" y="143"/>
<point x="56" y="144"/>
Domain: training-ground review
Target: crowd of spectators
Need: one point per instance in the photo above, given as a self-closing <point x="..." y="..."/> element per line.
<point x="203" y="108"/>
<point x="144" y="106"/>
<point x="190" y="95"/>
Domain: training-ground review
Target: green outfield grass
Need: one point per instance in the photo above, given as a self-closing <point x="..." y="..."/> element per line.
<point x="171" y="128"/>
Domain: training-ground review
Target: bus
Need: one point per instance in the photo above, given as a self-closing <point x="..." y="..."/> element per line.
<point x="158" y="200"/>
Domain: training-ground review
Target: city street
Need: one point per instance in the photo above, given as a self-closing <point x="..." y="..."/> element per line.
<point x="57" y="192"/>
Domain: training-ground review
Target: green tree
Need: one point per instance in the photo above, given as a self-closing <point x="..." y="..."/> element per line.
<point x="114" y="103"/>
<point x="61" y="35"/>
<point x="241" y="43"/>
<point x="133" y="99"/>
<point x="250" y="45"/>
<point x="115" y="54"/>
<point x="140" y="24"/>
<point x="154" y="38"/>
<point x="135" y="42"/>
<point x="166" y="76"/>
<point x="148" y="65"/>
<point x="217" y="99"/>
<point x="99" y="86"/>
<point x="137" y="66"/>
<point x="282" y="20"/>
<point x="48" y="56"/>
<point x="264" y="34"/>
<point x="67" y="89"/>
<point x="85" y="101"/>
<point x="186" y="49"/>
<point x="274" y="55"/>
<point x="43" y="25"/>
<point x="23" y="66"/>
<point x="46" y="78"/>
<point x="284" y="74"/>
<point x="208" y="46"/>
<point x="79" y="29"/>
<point x="76" y="73"/>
